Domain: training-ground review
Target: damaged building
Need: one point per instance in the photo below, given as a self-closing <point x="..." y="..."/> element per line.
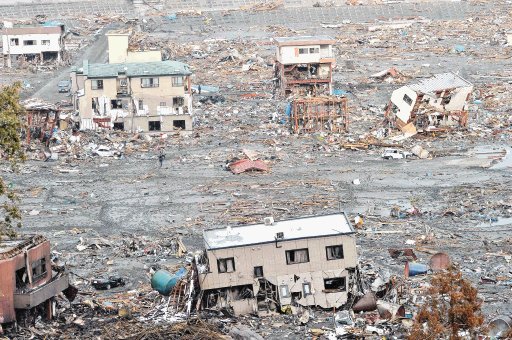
<point x="28" y="281"/>
<point x="304" y="65"/>
<point x="308" y="261"/>
<point x="434" y="104"/>
<point x="137" y="97"/>
<point x="39" y="43"/>
<point x="314" y="114"/>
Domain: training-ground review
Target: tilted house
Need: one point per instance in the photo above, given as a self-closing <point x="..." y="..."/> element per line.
<point x="307" y="261"/>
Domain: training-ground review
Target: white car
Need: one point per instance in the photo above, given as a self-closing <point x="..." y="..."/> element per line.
<point x="395" y="154"/>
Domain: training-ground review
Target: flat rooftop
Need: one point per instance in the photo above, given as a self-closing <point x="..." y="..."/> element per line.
<point x="304" y="227"/>
<point x="305" y="40"/>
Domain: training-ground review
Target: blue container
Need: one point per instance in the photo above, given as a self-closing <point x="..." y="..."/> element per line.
<point x="163" y="281"/>
<point x="413" y="269"/>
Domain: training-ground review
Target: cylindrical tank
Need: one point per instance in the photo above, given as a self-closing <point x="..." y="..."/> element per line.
<point x="500" y="326"/>
<point x="163" y="281"/>
<point x="413" y="268"/>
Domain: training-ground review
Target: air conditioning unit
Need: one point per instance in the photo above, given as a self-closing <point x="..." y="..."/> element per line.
<point x="268" y="220"/>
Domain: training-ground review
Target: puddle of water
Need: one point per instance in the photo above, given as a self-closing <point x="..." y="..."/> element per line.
<point x="500" y="222"/>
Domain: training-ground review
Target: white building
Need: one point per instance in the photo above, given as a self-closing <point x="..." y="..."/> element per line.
<point x="41" y="42"/>
<point x="304" y="65"/>
<point x="435" y="103"/>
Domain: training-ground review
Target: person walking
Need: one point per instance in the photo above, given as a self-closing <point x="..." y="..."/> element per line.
<point x="161" y="158"/>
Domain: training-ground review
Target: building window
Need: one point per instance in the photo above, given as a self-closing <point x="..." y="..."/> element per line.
<point x="45" y="42"/>
<point x="97" y="84"/>
<point x="29" y="42"/>
<point x="177" y="81"/>
<point x="407" y="99"/>
<point x="226" y="265"/>
<point x="306" y="289"/>
<point x="38" y="269"/>
<point x="313" y="50"/>
<point x="15" y="42"/>
<point x="284" y="291"/>
<point x="297" y="256"/>
<point x="119" y="126"/>
<point x="155" y="125"/>
<point x="141" y="104"/>
<point x="178" y="101"/>
<point x="148" y="82"/>
<point x="334" y="252"/>
<point x="163" y="104"/>
<point x="258" y="271"/>
<point x="179" y="124"/>
<point x="446" y="100"/>
<point x="116" y="104"/>
<point x="336" y="284"/>
<point x="303" y="50"/>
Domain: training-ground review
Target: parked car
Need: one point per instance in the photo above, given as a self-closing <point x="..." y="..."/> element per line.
<point x="395" y="154"/>
<point x="64" y="86"/>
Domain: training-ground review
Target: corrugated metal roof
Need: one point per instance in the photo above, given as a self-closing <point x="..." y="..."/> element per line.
<point x="305" y="40"/>
<point x="154" y="68"/>
<point x="305" y="227"/>
<point x="32" y="30"/>
<point x="439" y="82"/>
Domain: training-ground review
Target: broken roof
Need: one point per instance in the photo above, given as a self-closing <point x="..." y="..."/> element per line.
<point x="10" y="248"/>
<point x="439" y="82"/>
<point x="305" y="40"/>
<point x="153" y="68"/>
<point x="304" y="227"/>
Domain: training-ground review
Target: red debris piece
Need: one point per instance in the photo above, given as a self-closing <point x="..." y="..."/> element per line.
<point x="244" y="165"/>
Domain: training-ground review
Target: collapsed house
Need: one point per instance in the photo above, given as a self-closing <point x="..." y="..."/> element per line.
<point x="137" y="97"/>
<point x="27" y="281"/>
<point x="41" y="119"/>
<point x="308" y="261"/>
<point x="304" y="65"/>
<point x="32" y="42"/>
<point x="314" y="114"/>
<point x="433" y="104"/>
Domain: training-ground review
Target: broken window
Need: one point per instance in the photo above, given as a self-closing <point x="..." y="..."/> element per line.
<point x="446" y="100"/>
<point x="313" y="50"/>
<point x="178" y="101"/>
<point x="116" y="104"/>
<point x="141" y="104"/>
<point x="177" y="81"/>
<point x="306" y="289"/>
<point x="149" y="82"/>
<point x="96" y="84"/>
<point x="155" y="125"/>
<point x="45" y="42"/>
<point x="297" y="256"/>
<point x="15" y="42"/>
<point x="163" y="104"/>
<point x="119" y="126"/>
<point x="226" y="265"/>
<point x="39" y="269"/>
<point x="334" y="252"/>
<point x="21" y="278"/>
<point x="258" y="271"/>
<point x="303" y="51"/>
<point x="336" y="284"/>
<point x="29" y="42"/>
<point x="178" y="124"/>
<point x="284" y="291"/>
<point x="407" y="99"/>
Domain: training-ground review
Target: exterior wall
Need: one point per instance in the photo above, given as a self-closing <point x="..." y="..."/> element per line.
<point x="457" y="102"/>
<point x="85" y="102"/>
<point x="142" y="123"/>
<point x="404" y="109"/>
<point x="273" y="260"/>
<point x="117" y="47"/>
<point x="290" y="55"/>
<point x="153" y="96"/>
<point x="143" y="56"/>
<point x="54" y="45"/>
<point x="8" y="268"/>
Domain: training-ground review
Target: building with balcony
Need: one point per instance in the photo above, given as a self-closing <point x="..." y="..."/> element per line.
<point x="138" y="97"/>
<point x="27" y="280"/>
<point x="304" y="65"/>
<point x="32" y="42"/>
<point x="309" y="261"/>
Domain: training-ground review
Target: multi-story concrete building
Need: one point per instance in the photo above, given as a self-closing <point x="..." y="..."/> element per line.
<point x="307" y="261"/>
<point x="41" y="42"/>
<point x="146" y="96"/>
<point x="304" y="65"/>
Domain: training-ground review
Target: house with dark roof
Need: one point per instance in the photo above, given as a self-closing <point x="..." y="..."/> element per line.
<point x="431" y="104"/>
<point x="138" y="96"/>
